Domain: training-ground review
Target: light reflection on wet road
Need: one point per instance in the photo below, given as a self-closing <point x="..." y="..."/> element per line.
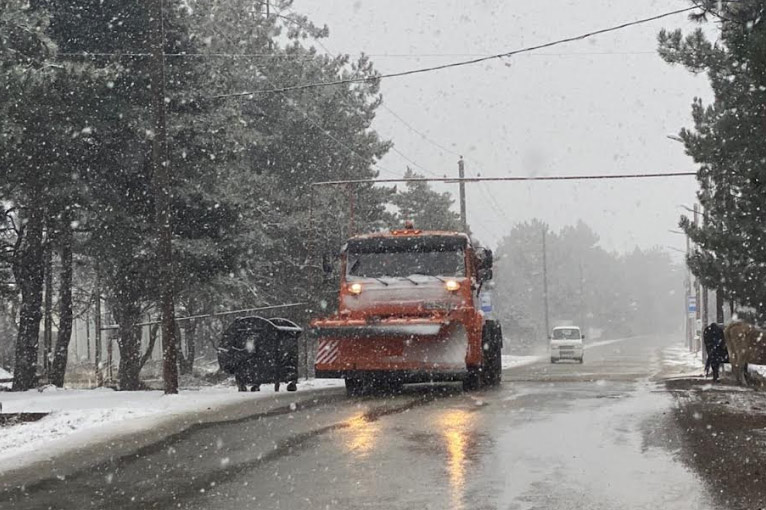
<point x="456" y="426"/>
<point x="562" y="436"/>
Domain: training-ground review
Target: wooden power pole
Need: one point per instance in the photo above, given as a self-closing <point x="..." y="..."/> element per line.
<point x="545" y="282"/>
<point x="461" y="174"/>
<point x="162" y="200"/>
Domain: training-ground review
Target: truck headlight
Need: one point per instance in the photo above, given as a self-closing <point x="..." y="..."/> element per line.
<point x="355" y="288"/>
<point x="452" y="285"/>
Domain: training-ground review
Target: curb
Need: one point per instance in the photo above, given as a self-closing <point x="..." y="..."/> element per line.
<point x="69" y="455"/>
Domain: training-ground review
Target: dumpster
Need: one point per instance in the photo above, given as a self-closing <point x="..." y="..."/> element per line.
<point x="259" y="351"/>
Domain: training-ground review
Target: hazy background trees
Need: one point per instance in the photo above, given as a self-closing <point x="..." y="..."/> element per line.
<point x="607" y="294"/>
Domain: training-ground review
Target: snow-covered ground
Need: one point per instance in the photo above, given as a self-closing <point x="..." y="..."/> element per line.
<point x="4" y="374"/>
<point x="512" y="361"/>
<point x="79" y="412"/>
<point x="678" y="356"/>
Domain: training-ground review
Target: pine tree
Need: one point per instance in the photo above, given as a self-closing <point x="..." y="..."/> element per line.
<point x="727" y="143"/>
<point x="42" y="140"/>
<point x="429" y="209"/>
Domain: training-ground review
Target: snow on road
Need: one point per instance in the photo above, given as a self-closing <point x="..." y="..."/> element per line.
<point x="511" y="361"/>
<point x="107" y="411"/>
<point x="679" y="356"/>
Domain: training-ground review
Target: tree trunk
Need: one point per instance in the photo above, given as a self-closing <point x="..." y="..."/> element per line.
<point x="48" y="305"/>
<point x="58" y="369"/>
<point x="127" y="315"/>
<point x="29" y="273"/>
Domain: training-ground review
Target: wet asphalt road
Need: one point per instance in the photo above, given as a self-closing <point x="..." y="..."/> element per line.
<point x="567" y="436"/>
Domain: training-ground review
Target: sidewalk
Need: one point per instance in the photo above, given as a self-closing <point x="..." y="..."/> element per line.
<point x="722" y="430"/>
<point x="85" y="425"/>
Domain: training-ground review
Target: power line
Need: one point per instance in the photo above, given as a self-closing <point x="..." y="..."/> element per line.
<point x="414" y="163"/>
<point x="453" y="180"/>
<point x="417" y="132"/>
<point x="468" y="55"/>
<point x="492" y="202"/>
<point x="338" y="142"/>
<point x="464" y="62"/>
<point x="289" y="56"/>
<point x="393" y="147"/>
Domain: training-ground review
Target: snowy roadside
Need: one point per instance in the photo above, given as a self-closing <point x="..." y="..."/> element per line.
<point x="77" y="414"/>
<point x="678" y="358"/>
<point x="513" y="361"/>
<point x="681" y="362"/>
<point x="4" y="374"/>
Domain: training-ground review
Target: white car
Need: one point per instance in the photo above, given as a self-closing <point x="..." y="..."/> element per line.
<point x="566" y="343"/>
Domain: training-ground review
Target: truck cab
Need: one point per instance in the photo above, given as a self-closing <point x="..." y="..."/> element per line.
<point x="409" y="311"/>
<point x="566" y="342"/>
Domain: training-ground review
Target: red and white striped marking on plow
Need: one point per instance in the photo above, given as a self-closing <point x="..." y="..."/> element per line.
<point x="328" y="351"/>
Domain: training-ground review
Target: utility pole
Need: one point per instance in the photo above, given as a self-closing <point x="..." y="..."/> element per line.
<point x="268" y="16"/>
<point x="97" y="329"/>
<point x="87" y="335"/>
<point x="162" y="201"/>
<point x="719" y="305"/>
<point x="461" y="175"/>
<point x="697" y="292"/>
<point x="545" y="282"/>
<point x="351" y="211"/>
<point x="687" y="313"/>
<point x="582" y="300"/>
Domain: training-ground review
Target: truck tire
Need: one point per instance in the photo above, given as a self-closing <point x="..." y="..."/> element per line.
<point x="354" y="387"/>
<point x="472" y="381"/>
<point x="492" y="369"/>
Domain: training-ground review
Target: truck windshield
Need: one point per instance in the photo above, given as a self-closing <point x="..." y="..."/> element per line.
<point x="403" y="264"/>
<point x="566" y="334"/>
<point x="401" y="257"/>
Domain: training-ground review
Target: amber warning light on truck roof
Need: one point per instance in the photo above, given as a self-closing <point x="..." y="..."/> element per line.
<point x="409" y="228"/>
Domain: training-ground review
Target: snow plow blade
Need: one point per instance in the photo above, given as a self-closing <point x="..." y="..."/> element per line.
<point x="389" y="328"/>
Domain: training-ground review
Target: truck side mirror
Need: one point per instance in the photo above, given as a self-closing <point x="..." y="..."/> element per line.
<point x="485" y="274"/>
<point x="485" y="258"/>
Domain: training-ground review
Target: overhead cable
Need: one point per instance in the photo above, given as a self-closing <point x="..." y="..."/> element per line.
<point x="473" y="61"/>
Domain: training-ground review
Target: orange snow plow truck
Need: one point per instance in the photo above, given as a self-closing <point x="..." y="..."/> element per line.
<point x="409" y="312"/>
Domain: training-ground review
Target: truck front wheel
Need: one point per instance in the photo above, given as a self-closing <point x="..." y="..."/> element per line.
<point x="472" y="381"/>
<point x="492" y="367"/>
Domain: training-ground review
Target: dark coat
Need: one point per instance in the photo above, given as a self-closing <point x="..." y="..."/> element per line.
<point x="715" y="345"/>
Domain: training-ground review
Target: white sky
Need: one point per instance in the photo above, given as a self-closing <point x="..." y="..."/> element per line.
<point x="604" y="105"/>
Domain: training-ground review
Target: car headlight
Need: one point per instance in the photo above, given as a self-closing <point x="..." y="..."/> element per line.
<point x="355" y="288"/>
<point x="452" y="285"/>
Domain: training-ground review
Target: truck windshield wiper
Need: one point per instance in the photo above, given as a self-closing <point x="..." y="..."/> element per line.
<point x="432" y="276"/>
<point x="411" y="280"/>
<point x="381" y="280"/>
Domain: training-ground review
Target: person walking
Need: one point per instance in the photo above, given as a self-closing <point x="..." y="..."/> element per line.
<point x="715" y="345"/>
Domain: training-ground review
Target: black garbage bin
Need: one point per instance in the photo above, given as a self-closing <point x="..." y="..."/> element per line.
<point x="259" y="351"/>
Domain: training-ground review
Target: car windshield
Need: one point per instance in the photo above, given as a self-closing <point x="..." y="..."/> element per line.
<point x="566" y="334"/>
